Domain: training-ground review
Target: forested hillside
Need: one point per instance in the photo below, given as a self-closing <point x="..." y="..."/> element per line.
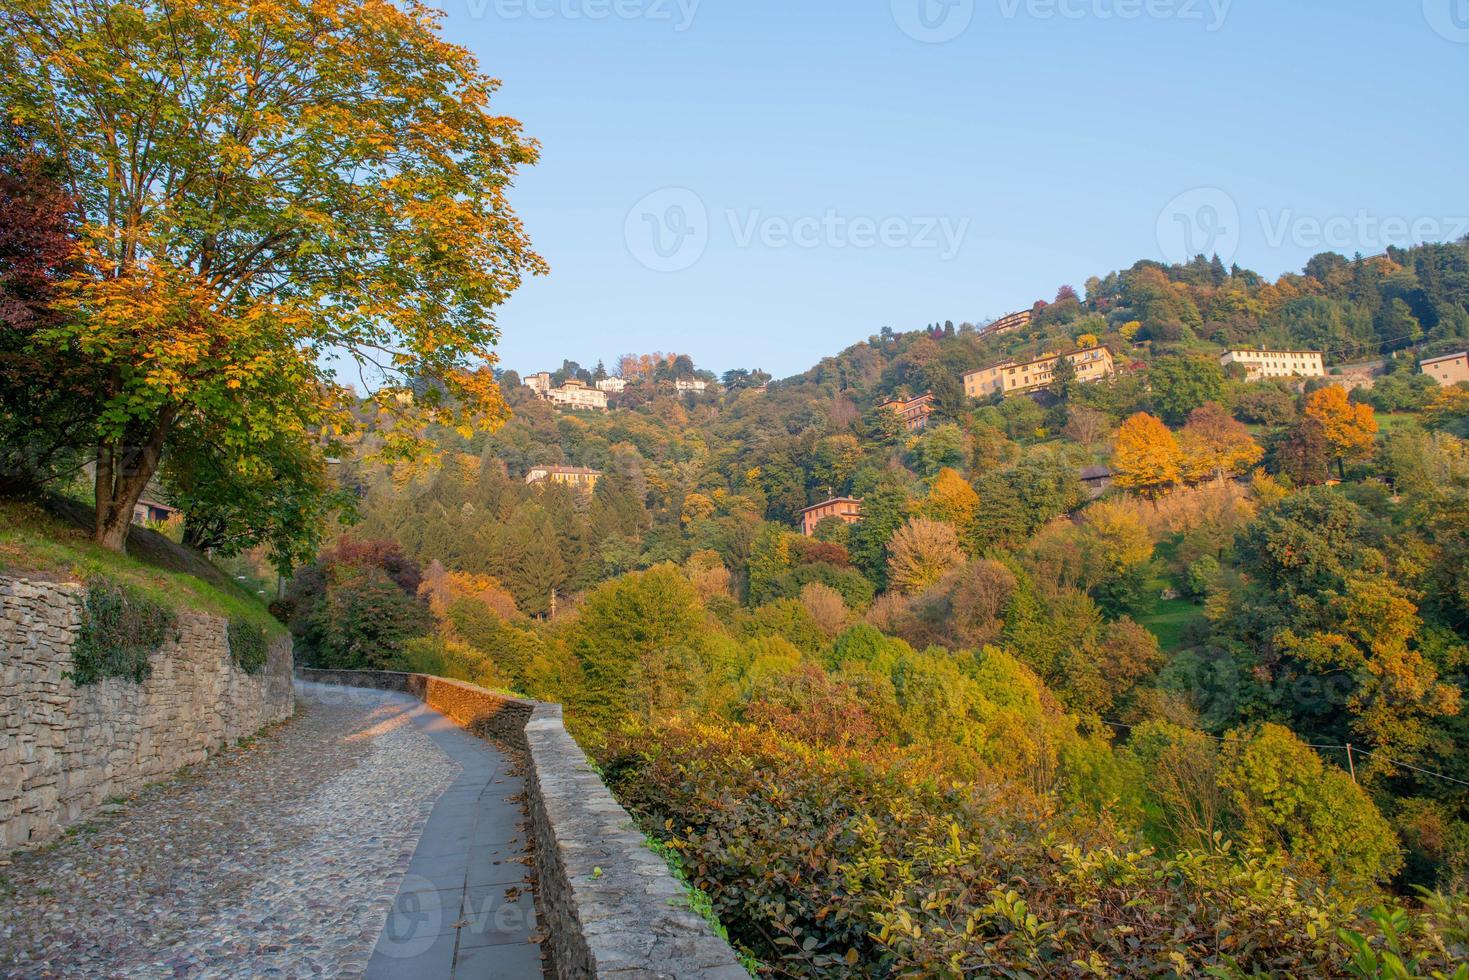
<point x="1203" y="711"/>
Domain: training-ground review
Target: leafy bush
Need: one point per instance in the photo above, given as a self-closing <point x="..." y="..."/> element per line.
<point x="121" y="630"/>
<point x="249" y="646"/>
<point x="839" y="862"/>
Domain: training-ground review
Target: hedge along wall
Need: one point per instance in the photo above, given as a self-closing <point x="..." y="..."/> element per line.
<point x="612" y="907"/>
<point x="66" y="748"/>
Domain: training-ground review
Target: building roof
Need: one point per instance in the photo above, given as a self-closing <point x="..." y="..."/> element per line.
<point x="1096" y="473"/>
<point x="828" y="503"/>
<point x="1264" y="350"/>
<point x="1444" y="357"/>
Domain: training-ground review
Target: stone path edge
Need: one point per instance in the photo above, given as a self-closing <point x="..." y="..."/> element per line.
<point x="612" y="907"/>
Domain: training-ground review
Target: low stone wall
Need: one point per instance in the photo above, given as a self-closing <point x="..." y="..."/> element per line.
<point x="65" y="750"/>
<point x="612" y="908"/>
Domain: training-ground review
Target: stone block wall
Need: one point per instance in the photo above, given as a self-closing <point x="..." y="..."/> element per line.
<point x="65" y="750"/>
<point x="611" y="906"/>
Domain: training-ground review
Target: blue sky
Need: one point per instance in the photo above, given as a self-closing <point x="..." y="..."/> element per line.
<point x="761" y="183"/>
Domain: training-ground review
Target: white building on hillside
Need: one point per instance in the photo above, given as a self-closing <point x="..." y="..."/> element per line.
<point x="577" y="394"/>
<point x="690" y="384"/>
<point x="540" y="382"/>
<point x="613" y="386"/>
<point x="1277" y="363"/>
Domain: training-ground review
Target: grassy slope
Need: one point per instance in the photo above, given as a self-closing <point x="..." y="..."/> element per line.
<point x="1169" y="618"/>
<point x="52" y="544"/>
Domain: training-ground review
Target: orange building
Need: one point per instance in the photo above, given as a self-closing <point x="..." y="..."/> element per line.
<point x="913" y="411"/>
<point x="848" y="509"/>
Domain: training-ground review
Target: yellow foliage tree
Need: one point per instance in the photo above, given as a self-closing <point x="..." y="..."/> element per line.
<point x="1148" y="459"/>
<point x="953" y="501"/>
<point x="1215" y="445"/>
<point x="1350" y="430"/>
<point x="920" y="552"/>
<point x="256" y="186"/>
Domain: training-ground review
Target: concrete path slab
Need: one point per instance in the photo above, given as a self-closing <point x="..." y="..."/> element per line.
<point x="466" y="905"/>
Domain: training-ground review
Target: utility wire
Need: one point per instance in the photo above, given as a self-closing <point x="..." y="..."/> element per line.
<point x="1350" y="749"/>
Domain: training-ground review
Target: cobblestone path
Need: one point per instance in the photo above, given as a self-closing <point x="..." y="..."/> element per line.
<point x="286" y="858"/>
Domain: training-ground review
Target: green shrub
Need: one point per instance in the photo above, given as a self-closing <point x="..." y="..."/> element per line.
<point x="121" y="630"/>
<point x="249" y="647"/>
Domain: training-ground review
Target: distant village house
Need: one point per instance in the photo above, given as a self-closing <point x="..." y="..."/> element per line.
<point x="1448" y="370"/>
<point x="539" y="382"/>
<point x="613" y="386"/>
<point x="913" y="411"/>
<point x="578" y="395"/>
<point x="690" y="384"/>
<point x="1012" y="378"/>
<point x="577" y="477"/>
<point x="1007" y="324"/>
<point x="1260" y="364"/>
<point x="846" y="509"/>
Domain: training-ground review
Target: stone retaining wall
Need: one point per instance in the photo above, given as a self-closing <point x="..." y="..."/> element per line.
<point x="65" y="750"/>
<point x="612" y="908"/>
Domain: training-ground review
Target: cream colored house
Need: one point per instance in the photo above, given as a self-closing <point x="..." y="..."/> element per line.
<point x="986" y="381"/>
<point x="1091" y="364"/>
<point x="578" y="394"/>
<point x="690" y="384"/>
<point x="578" y="477"/>
<point x="1450" y="369"/>
<point x="540" y="382"/>
<point x="1276" y="363"/>
<point x="613" y="386"/>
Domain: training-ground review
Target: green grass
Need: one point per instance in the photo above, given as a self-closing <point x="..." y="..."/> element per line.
<point x="34" y="542"/>
<point x="1170" y="619"/>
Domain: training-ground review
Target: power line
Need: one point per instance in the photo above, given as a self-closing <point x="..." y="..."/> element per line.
<point x="1349" y="749"/>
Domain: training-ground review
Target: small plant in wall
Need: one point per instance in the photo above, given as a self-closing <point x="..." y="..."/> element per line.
<point x="121" y="629"/>
<point x="249" y="647"/>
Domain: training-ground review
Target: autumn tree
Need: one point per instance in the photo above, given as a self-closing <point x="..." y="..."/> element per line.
<point x="1215" y="445"/>
<point x="1350" y="430"/>
<point x="47" y="413"/>
<point x="920" y="552"/>
<point x="952" y="500"/>
<point x="256" y="186"/>
<point x="1287" y="800"/>
<point x="1148" y="458"/>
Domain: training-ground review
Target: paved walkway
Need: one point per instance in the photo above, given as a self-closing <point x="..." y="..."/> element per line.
<point x="367" y="836"/>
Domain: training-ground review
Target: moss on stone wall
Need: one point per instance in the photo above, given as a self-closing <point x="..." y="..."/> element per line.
<point x="121" y="629"/>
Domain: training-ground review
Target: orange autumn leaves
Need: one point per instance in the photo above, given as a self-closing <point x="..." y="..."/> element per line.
<point x="1150" y="459"/>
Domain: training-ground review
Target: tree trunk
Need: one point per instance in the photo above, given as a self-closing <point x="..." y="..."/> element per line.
<point x="123" y="472"/>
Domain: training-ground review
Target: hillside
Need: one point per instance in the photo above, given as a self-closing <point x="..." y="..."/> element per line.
<point x="1006" y="718"/>
<point x="51" y="540"/>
